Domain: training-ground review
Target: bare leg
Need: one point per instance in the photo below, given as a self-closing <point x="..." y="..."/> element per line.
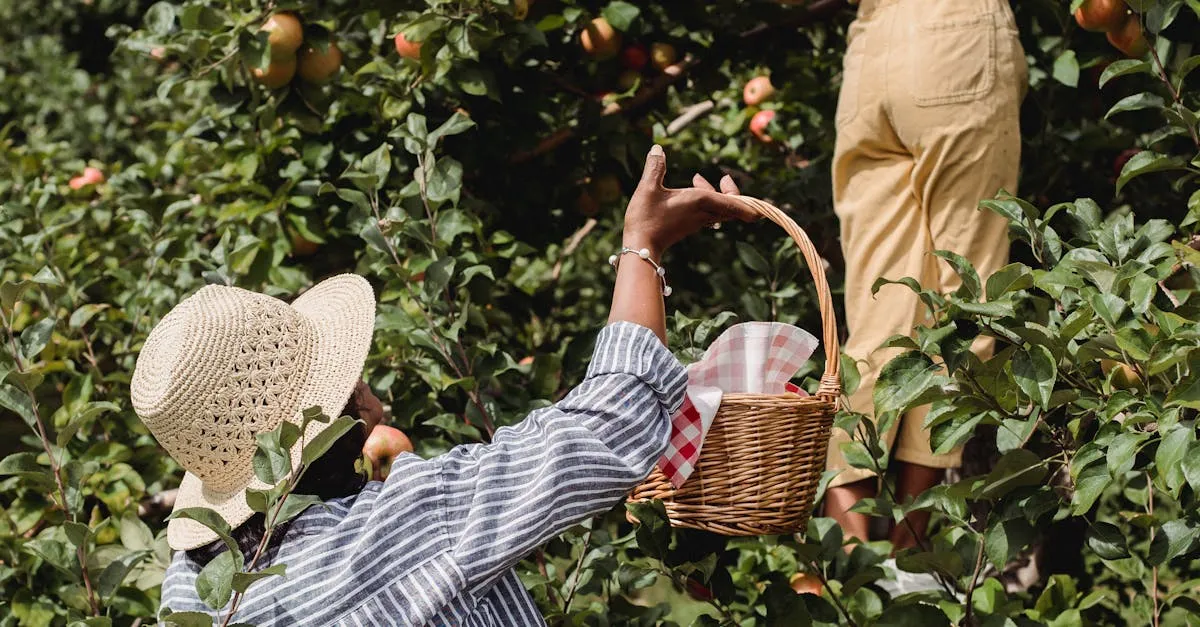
<point x="840" y="499"/>
<point x="911" y="481"/>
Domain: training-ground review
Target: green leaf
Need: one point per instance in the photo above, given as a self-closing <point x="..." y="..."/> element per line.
<point x="188" y="619"/>
<point x="18" y="403"/>
<point x="438" y="275"/>
<point x="1146" y="162"/>
<point x="135" y="535"/>
<point x="653" y="530"/>
<point x="947" y="563"/>
<point x="1191" y="466"/>
<point x="1136" y="102"/>
<point x="35" y="337"/>
<point x="117" y="570"/>
<point x="294" y="505"/>
<point x="1169" y="457"/>
<point x="1066" y="69"/>
<point x="1017" y="468"/>
<point x="970" y="289"/>
<point x="78" y="533"/>
<point x="1089" y="485"/>
<point x="897" y="615"/>
<point x="215" y="523"/>
<point x="1109" y="307"/>
<point x="1185" y="68"/>
<point x="160" y="18"/>
<point x="314" y="449"/>
<point x="1010" y="278"/>
<point x="1123" y="67"/>
<point x="444" y="181"/>
<point x="456" y="124"/>
<point x="1172" y="540"/>
<point x="1004" y="539"/>
<point x="904" y="380"/>
<point x="1121" y="452"/>
<point x="272" y="460"/>
<point x="242" y="581"/>
<point x="214" y="584"/>
<point x="378" y="163"/>
<point x="475" y="81"/>
<point x="1107" y="541"/>
<point x="752" y="259"/>
<point x="93" y="409"/>
<point x="1160" y="15"/>
<point x="620" y="14"/>
<point x="1035" y="372"/>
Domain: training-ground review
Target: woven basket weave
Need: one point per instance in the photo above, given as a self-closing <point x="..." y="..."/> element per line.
<point x="764" y="454"/>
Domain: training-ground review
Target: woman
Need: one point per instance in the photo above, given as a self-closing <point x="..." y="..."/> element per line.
<point x="434" y="544"/>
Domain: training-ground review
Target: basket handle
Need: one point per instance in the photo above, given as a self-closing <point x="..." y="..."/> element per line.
<point x="831" y="383"/>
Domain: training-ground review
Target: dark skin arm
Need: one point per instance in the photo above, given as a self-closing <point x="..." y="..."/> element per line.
<point x="656" y="219"/>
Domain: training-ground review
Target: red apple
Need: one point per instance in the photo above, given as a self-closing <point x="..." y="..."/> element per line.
<point x="383" y="446"/>
<point x="318" y="67"/>
<point x="284" y="34"/>
<point x="759" y="123"/>
<point x="279" y="72"/>
<point x="804" y="583"/>
<point x="1101" y="16"/>
<point x="407" y="49"/>
<point x="93" y="176"/>
<point x="662" y="56"/>
<point x="635" y="57"/>
<point x="600" y="40"/>
<point x="1128" y="38"/>
<point x="757" y="91"/>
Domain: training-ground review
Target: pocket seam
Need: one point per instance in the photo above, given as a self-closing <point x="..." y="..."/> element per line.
<point x="986" y="21"/>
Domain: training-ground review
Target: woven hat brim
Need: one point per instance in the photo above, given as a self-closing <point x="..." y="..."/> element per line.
<point x="342" y="311"/>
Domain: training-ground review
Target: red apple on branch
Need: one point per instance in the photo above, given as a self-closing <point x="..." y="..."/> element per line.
<point x="383" y="446"/>
<point x="407" y="49"/>
<point x="759" y="123"/>
<point x="757" y="91"/>
<point x="600" y="40"/>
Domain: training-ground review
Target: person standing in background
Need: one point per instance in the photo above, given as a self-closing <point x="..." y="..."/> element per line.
<point x="927" y="126"/>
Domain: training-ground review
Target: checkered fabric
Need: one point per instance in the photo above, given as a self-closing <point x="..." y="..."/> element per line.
<point x="753" y="357"/>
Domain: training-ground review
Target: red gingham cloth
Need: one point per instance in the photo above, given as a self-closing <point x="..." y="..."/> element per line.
<point x="754" y="357"/>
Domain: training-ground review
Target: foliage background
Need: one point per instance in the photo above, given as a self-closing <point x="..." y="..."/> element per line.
<point x="467" y="238"/>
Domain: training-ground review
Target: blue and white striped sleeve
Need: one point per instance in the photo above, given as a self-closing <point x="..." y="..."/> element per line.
<point x="564" y="463"/>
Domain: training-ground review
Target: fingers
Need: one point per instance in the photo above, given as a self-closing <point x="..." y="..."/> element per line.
<point x="728" y="186"/>
<point x="699" y="182"/>
<point x="655" y="170"/>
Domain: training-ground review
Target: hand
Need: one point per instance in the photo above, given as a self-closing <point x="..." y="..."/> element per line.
<point x="658" y="217"/>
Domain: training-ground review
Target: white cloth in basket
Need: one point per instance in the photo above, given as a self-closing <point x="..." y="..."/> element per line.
<point x="752" y="357"/>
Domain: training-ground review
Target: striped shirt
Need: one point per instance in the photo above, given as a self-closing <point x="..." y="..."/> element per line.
<point x="436" y="543"/>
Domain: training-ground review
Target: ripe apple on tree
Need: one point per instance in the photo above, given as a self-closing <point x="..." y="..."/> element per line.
<point x="635" y="57"/>
<point x="383" y="446"/>
<point x="407" y="49"/>
<point x="606" y="189"/>
<point x="759" y="124"/>
<point x="1128" y="38"/>
<point x="285" y="34"/>
<point x="662" y="56"/>
<point x="317" y="66"/>
<point x="90" y="176"/>
<point x="757" y="91"/>
<point x="521" y="8"/>
<point x="279" y="72"/>
<point x="600" y="40"/>
<point x="1101" y="16"/>
<point x="804" y="583"/>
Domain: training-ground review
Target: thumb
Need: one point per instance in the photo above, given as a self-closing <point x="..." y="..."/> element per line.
<point x="656" y="168"/>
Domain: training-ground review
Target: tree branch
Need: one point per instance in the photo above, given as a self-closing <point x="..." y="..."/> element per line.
<point x="654" y="89"/>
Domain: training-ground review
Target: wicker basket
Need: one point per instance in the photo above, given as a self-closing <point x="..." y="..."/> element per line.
<point x="764" y="454"/>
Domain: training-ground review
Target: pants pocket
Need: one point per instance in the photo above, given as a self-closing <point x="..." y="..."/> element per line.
<point x="955" y="61"/>
<point x="852" y="63"/>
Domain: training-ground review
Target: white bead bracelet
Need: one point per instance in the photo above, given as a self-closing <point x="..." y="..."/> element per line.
<point x="645" y="255"/>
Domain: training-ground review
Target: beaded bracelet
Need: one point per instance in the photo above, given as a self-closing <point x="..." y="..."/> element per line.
<point x="644" y="254"/>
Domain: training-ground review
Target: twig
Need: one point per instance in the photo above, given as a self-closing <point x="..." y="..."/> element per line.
<point x="575" y="576"/>
<point x="1169" y="294"/>
<point x="815" y="11"/>
<point x="968" y="619"/>
<point x="572" y="244"/>
<point x="656" y="88"/>
<point x="55" y="466"/>
<point x="816" y="568"/>
<point x="1154" y="569"/>
<point x="689" y="115"/>
<point x="540" y="558"/>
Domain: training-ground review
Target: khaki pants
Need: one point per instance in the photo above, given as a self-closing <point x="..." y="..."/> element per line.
<point x="927" y="126"/>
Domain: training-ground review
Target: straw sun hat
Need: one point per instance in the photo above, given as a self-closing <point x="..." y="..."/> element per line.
<point x="227" y="364"/>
